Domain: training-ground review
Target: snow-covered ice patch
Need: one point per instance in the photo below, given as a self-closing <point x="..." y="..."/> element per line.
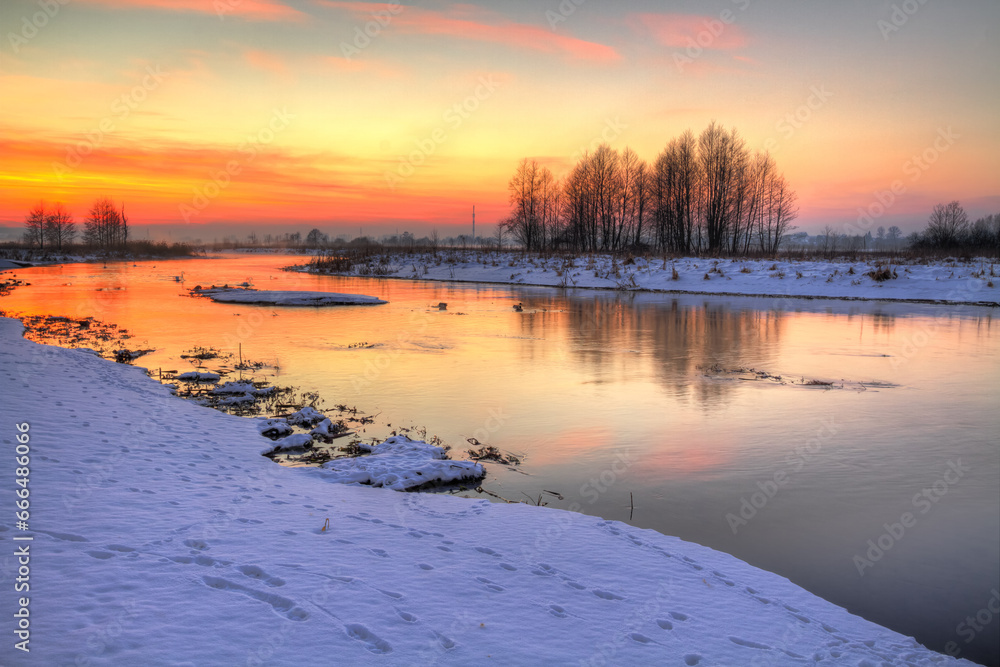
<point x="197" y="376"/>
<point x="307" y="416"/>
<point x="400" y="463"/>
<point x="242" y="388"/>
<point x="274" y="428"/>
<point x="296" y="441"/>
<point x="286" y="298"/>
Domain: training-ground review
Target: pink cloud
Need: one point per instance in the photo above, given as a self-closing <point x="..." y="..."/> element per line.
<point x="680" y="31"/>
<point x="266" y="61"/>
<point x="250" y="10"/>
<point x="475" y="24"/>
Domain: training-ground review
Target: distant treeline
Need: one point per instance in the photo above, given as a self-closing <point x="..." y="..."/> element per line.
<point x="705" y="194"/>
<point x="949" y="229"/>
<point x="52" y="229"/>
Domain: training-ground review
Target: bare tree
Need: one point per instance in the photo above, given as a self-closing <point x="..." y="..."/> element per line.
<point x="947" y="224"/>
<point x="723" y="156"/>
<point x="105" y="227"/>
<point x="534" y="200"/>
<point x="34" y="226"/>
<point x="60" y="230"/>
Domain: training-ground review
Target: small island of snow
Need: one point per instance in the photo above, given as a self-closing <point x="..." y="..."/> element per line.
<point x="248" y="296"/>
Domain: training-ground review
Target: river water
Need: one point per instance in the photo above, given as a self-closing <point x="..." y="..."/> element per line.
<point x="878" y="492"/>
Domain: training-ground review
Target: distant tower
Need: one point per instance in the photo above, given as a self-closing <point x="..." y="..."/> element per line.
<point x="473" y="223"/>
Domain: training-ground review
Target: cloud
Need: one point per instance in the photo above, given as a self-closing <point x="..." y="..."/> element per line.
<point x="156" y="177"/>
<point x="265" y="60"/>
<point x="250" y="10"/>
<point x="472" y="23"/>
<point x="680" y="31"/>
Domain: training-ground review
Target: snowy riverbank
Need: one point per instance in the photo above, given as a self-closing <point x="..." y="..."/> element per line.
<point x="161" y="536"/>
<point x="946" y="281"/>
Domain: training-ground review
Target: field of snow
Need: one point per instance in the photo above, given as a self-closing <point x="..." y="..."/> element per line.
<point x="943" y="281"/>
<point x="285" y="298"/>
<point x="162" y="537"/>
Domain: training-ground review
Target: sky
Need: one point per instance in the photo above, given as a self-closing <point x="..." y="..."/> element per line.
<point x="214" y="117"/>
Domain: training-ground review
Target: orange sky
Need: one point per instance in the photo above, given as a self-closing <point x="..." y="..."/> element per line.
<point x="233" y="114"/>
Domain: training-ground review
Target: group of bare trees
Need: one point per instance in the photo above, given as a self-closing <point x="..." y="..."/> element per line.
<point x="49" y="228"/>
<point x="949" y="228"/>
<point x="702" y="194"/>
<point x="106" y="227"/>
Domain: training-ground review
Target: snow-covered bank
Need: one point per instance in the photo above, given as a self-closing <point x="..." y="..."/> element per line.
<point x="943" y="281"/>
<point x="162" y="537"/>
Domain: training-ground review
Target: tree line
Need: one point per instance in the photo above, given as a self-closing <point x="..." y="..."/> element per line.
<point x="106" y="227"/>
<point x="708" y="193"/>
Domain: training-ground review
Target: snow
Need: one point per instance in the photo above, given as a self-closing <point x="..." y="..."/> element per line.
<point x="325" y="429"/>
<point x="307" y="416"/>
<point x="286" y="298"/>
<point x="162" y="538"/>
<point x="296" y="441"/>
<point x="274" y="428"/>
<point x="198" y="376"/>
<point x="242" y="388"/>
<point x="940" y="281"/>
<point x="401" y="464"/>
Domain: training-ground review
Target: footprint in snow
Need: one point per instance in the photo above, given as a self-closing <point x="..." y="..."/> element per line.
<point x="488" y="552"/>
<point x="606" y="595"/>
<point x="749" y="644"/>
<point x="281" y="605"/>
<point x="372" y="642"/>
<point x="557" y="611"/>
<point x="381" y="553"/>
<point x="255" y="572"/>
<point x="496" y="588"/>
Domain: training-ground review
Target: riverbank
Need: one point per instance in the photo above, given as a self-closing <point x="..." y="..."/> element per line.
<point x="162" y="537"/>
<point x="945" y="281"/>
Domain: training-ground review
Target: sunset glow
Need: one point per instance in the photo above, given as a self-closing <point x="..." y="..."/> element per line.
<point x="364" y="116"/>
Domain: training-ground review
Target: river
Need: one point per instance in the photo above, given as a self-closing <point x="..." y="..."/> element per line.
<point x="878" y="492"/>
